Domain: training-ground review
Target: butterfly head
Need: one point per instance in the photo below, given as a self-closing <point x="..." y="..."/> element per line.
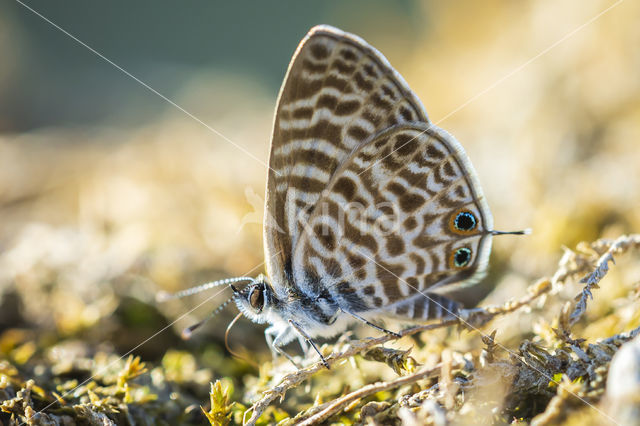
<point x="255" y="300"/>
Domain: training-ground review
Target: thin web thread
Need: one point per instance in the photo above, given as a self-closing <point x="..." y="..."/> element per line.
<point x="145" y="85"/>
<point x="470" y="100"/>
<point x="145" y="341"/>
<point x="518" y="356"/>
<point x="500" y="80"/>
<point x="252" y="156"/>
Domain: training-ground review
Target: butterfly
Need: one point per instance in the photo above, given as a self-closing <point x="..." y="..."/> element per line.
<point x="371" y="211"/>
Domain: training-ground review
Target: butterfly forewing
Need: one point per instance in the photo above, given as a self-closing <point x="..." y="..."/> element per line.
<point x="403" y="216"/>
<point x="338" y="93"/>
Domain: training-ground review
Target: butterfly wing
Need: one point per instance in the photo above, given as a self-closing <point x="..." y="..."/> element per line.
<point x="391" y="222"/>
<point x="337" y="94"/>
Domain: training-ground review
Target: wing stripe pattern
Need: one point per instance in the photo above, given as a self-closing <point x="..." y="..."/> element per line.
<point x="416" y="189"/>
<point x="363" y="191"/>
<point x="338" y="92"/>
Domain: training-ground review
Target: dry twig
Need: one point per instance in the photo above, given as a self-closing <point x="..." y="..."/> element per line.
<point x="338" y="404"/>
<point x="471" y="318"/>
<point x="294" y="379"/>
<point x="620" y="245"/>
<point x="621" y="338"/>
<point x="570" y="265"/>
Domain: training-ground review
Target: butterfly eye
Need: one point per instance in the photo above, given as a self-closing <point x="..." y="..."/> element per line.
<point x="461" y="257"/>
<point x="464" y="221"/>
<point x="256" y="298"/>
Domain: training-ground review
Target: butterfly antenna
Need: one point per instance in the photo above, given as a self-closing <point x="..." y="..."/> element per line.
<point x="188" y="332"/>
<point x="163" y="296"/>
<point x="522" y="232"/>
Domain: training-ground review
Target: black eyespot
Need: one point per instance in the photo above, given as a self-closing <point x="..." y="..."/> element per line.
<point x="256" y="298"/>
<point x="465" y="221"/>
<point x="461" y="257"/>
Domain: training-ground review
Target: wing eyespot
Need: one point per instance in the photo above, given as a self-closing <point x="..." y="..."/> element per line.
<point x="463" y="222"/>
<point x="460" y="258"/>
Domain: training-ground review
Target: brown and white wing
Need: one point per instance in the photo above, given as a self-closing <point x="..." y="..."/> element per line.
<point x="385" y="229"/>
<point x="338" y="92"/>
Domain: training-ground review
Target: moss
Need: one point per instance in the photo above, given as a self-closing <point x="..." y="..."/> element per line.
<point x="547" y="373"/>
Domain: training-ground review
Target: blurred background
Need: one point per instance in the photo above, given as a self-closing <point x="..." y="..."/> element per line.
<point x="109" y="193"/>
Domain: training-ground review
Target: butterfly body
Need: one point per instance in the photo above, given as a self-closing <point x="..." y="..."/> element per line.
<point x="319" y="314"/>
<point x="371" y="211"/>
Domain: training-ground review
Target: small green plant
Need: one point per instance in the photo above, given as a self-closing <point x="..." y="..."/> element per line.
<point x="221" y="409"/>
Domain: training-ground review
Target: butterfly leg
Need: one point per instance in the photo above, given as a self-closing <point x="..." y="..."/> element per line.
<point x="269" y="334"/>
<point x="275" y="346"/>
<point x="370" y="324"/>
<point x="303" y="345"/>
<point x="306" y="337"/>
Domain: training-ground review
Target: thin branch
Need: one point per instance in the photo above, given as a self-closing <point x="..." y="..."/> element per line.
<point x="338" y="404"/>
<point x="483" y="315"/>
<point x="294" y="379"/>
<point x="621" y="338"/>
<point x="570" y="265"/>
<point x="469" y="317"/>
<point x="620" y="245"/>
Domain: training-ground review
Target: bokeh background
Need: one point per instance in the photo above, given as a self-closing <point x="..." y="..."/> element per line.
<point x="109" y="193"/>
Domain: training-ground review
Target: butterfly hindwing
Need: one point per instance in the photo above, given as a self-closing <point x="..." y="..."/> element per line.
<point x="404" y="215"/>
<point x="338" y="92"/>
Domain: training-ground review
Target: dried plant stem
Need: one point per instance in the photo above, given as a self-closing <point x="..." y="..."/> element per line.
<point x="470" y="318"/>
<point x="621" y="338"/>
<point x="620" y="245"/>
<point x="294" y="379"/>
<point x="536" y="290"/>
<point x="338" y="404"/>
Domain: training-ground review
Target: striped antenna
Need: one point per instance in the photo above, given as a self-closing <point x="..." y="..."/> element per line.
<point x="163" y="296"/>
<point x="188" y="332"/>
